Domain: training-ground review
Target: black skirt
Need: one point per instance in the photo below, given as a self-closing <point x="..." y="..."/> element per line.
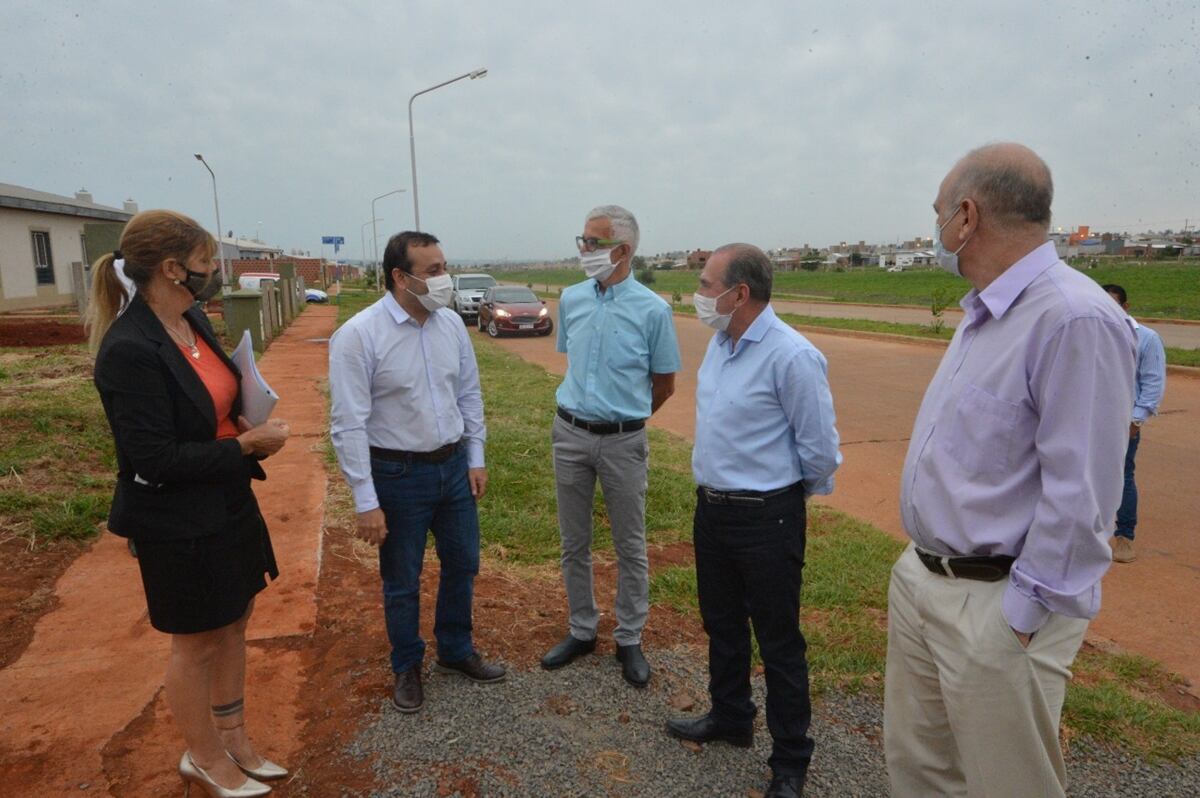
<point x="205" y="583"/>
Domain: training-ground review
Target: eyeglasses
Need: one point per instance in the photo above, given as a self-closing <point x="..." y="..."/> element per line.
<point x="592" y="244"/>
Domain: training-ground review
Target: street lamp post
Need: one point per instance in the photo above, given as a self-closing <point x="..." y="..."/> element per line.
<point x="217" y="207"/>
<point x="412" y="145"/>
<point x="362" y="233"/>
<point x="375" y="235"/>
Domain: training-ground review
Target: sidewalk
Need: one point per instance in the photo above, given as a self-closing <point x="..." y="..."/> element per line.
<point x="83" y="705"/>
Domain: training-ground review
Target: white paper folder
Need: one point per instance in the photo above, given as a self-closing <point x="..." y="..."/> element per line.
<point x="258" y="400"/>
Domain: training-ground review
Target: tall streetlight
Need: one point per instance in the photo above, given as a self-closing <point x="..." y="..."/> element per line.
<point x="375" y="235"/>
<point x="412" y="145"/>
<point x="362" y="232"/>
<point x="217" y="206"/>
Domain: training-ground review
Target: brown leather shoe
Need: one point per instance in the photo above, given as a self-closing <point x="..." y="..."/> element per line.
<point x="1123" y="550"/>
<point x="474" y="668"/>
<point x="408" y="696"/>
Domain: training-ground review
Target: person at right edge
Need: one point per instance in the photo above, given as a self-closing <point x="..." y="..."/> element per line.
<point x="1151" y="381"/>
<point x="1009" y="491"/>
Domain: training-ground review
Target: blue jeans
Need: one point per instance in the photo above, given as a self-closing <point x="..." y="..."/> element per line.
<point x="417" y="498"/>
<point x="1127" y="513"/>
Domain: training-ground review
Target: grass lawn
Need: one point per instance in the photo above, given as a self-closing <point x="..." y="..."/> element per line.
<point x="57" y="463"/>
<point x="1116" y="699"/>
<point x="1158" y="289"/>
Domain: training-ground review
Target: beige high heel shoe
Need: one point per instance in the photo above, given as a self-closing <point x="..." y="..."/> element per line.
<point x="267" y="771"/>
<point x="191" y="774"/>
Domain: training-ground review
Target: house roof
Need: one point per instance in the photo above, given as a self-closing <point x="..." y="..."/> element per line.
<point x="250" y="244"/>
<point x="30" y="199"/>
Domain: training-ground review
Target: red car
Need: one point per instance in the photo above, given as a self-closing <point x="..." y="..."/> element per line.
<point x="511" y="309"/>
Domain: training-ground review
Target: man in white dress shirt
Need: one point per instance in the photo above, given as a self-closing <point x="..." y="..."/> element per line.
<point x="407" y="426"/>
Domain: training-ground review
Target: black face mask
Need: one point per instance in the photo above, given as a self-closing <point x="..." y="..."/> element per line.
<point x="203" y="286"/>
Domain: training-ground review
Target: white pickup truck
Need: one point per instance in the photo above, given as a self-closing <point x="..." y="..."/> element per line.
<point x="468" y="290"/>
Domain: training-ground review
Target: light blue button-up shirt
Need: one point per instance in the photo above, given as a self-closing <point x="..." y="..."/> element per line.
<point x="397" y="384"/>
<point x="1151" y="373"/>
<point x="613" y="341"/>
<point x="1019" y="446"/>
<point x="764" y="413"/>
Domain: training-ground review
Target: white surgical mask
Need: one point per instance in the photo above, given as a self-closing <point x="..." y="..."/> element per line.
<point x="946" y="259"/>
<point x="598" y="265"/>
<point x="441" y="288"/>
<point x="706" y="310"/>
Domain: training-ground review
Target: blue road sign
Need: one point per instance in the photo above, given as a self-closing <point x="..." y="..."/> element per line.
<point x="338" y="240"/>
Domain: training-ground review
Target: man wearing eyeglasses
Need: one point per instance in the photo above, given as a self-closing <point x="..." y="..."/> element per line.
<point x="619" y="338"/>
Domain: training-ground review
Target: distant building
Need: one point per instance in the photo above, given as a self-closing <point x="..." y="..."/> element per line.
<point x="48" y="242"/>
<point x="697" y="258"/>
<point x="248" y="249"/>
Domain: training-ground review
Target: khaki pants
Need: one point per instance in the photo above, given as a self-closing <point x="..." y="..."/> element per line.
<point x="968" y="710"/>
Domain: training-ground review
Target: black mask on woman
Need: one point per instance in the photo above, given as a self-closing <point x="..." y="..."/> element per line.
<point x="203" y="286"/>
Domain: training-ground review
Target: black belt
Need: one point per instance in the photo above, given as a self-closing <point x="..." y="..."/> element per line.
<point x="602" y="427"/>
<point x="397" y="456"/>
<point x="983" y="569"/>
<point x="742" y="498"/>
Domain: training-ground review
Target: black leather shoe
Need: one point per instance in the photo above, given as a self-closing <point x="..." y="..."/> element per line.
<point x="634" y="667"/>
<point x="567" y="649"/>
<point x="706" y="730"/>
<point x="474" y="668"/>
<point x="785" y="787"/>
<point x="408" y="695"/>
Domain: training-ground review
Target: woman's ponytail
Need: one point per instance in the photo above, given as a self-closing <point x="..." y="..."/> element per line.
<point x="104" y="303"/>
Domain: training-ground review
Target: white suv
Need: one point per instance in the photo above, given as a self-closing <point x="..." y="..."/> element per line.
<point x="468" y="290"/>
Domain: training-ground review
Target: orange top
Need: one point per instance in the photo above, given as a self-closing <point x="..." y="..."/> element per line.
<point x="219" y="380"/>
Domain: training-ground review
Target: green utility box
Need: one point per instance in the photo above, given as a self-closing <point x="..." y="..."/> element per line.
<point x="287" y="288"/>
<point x="243" y="311"/>
<point x="272" y="323"/>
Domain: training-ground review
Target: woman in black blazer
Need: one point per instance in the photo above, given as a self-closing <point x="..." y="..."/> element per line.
<point x="185" y="459"/>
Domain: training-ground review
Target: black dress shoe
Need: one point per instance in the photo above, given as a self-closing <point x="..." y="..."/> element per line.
<point x="567" y="649"/>
<point x="785" y="787"/>
<point x="474" y="668"/>
<point x="706" y="730"/>
<point x="634" y="667"/>
<point x="408" y="695"/>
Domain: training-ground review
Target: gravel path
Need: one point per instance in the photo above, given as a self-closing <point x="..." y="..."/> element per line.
<point x="581" y="731"/>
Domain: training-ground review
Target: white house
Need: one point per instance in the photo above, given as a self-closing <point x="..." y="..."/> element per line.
<point x="42" y="236"/>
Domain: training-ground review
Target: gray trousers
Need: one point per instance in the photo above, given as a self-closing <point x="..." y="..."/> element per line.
<point x="621" y="461"/>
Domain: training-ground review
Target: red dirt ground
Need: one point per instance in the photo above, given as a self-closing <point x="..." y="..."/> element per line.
<point x="37" y="332"/>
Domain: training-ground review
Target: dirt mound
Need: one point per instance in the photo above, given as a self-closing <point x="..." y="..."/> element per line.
<point x="40" y="333"/>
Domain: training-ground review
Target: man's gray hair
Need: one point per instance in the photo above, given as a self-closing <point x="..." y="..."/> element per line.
<point x="750" y="265"/>
<point x="624" y="226"/>
<point x="1009" y="182"/>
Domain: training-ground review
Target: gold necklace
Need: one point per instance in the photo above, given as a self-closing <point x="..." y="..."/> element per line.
<point x="195" y="353"/>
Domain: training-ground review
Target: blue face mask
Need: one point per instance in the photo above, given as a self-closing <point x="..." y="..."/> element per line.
<point x="946" y="259"/>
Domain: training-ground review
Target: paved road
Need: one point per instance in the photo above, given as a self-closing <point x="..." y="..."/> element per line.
<point x="1185" y="336"/>
<point x="1148" y="606"/>
<point x="1182" y="335"/>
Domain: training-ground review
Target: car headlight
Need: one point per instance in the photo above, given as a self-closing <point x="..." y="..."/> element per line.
<point x="502" y="313"/>
<point x="543" y="312"/>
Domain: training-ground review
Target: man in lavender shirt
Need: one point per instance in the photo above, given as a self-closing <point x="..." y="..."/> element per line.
<point x="1009" y="491"/>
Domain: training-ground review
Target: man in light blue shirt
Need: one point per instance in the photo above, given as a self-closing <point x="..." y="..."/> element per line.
<point x="619" y="338"/>
<point x="1151" y="379"/>
<point x="765" y="440"/>
<point x="407" y="426"/>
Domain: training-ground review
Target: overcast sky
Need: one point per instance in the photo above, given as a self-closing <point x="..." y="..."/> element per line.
<point x="777" y="123"/>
